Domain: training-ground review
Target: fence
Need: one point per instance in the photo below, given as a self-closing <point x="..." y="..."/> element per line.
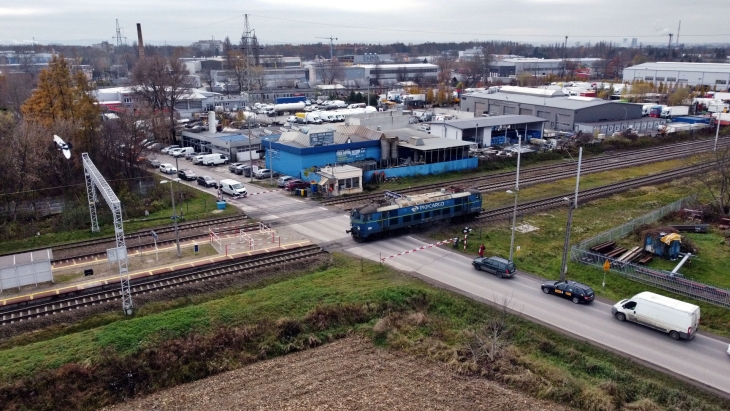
<point x="625" y="229"/>
<point x="657" y="278"/>
<point x="215" y="241"/>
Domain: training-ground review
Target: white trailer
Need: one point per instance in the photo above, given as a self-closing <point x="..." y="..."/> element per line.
<point x="674" y="111"/>
<point x="674" y="317"/>
<point x="290" y="107"/>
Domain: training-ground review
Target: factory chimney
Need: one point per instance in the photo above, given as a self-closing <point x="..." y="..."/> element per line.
<point x="139" y="40"/>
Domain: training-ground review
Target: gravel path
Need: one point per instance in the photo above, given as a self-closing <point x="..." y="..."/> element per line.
<point x="349" y="374"/>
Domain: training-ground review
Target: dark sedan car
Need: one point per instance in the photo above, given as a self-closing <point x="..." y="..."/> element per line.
<point x="496" y="265"/>
<point x="186" y="174"/>
<point x="574" y="291"/>
<point x="207" y="181"/>
<point x="296" y="185"/>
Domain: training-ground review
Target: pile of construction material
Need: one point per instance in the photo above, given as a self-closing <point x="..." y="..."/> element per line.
<point x="621" y="254"/>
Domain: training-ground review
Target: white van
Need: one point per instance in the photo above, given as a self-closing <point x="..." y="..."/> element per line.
<point x="312" y="118"/>
<point x="199" y="159"/>
<point x="233" y="188"/>
<point x="182" y="151"/>
<point x="214" y="159"/>
<point x="325" y="116"/>
<point x="677" y="318"/>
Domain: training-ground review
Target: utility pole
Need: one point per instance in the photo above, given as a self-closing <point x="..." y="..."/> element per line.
<point x="332" y="47"/>
<point x="565" y="55"/>
<point x="670" y="42"/>
<point x="119" y="36"/>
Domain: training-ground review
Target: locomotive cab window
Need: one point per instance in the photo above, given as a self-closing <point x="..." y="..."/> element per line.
<point x="407" y="218"/>
<point x="436" y="212"/>
<point x="417" y="217"/>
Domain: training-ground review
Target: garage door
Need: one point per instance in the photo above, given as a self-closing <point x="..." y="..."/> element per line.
<point x="564" y="121"/>
<point x="495" y="110"/>
<point x="526" y="111"/>
<point x="510" y="110"/>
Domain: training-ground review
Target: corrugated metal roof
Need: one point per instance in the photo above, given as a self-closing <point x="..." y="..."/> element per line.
<point x="531" y="91"/>
<point x="491" y="121"/>
<point x="557" y="102"/>
<point x="342" y="135"/>
<point x="678" y="66"/>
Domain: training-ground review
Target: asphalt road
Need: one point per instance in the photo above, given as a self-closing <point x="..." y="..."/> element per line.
<point x="703" y="360"/>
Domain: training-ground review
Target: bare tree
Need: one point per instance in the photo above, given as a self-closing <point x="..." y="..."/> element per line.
<point x="446" y="66"/>
<point x="375" y="73"/>
<point x="476" y="68"/>
<point x="717" y="181"/>
<point x="15" y="88"/>
<point x="161" y="83"/>
<point x="329" y="71"/>
<point x="401" y="74"/>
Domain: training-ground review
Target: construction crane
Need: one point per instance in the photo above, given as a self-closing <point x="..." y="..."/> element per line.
<point x="332" y="47"/>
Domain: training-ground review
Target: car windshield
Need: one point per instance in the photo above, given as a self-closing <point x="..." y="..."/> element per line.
<point x="589" y="291"/>
<point x="237" y="186"/>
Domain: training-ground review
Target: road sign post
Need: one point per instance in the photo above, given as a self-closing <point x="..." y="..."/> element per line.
<point x="606" y="267"/>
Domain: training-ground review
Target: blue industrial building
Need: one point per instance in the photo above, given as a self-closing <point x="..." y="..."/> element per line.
<point x="395" y="153"/>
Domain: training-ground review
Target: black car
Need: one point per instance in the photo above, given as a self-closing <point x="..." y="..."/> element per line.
<point x="207" y="181"/>
<point x="243" y="169"/>
<point x="574" y="291"/>
<point x="186" y="174"/>
<point x="498" y="266"/>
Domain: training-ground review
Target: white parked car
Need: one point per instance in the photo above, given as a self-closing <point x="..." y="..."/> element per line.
<point x="168" y="148"/>
<point x="167" y="168"/>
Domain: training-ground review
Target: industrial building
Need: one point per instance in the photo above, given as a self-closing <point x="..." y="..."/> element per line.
<point x="513" y="66"/>
<point x="490" y="131"/>
<point x="399" y="152"/>
<point x="714" y="75"/>
<point x="562" y="112"/>
<point x="235" y="146"/>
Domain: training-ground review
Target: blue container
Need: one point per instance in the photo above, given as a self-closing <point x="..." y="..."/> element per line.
<point x="221" y="205"/>
<point x="314" y="187"/>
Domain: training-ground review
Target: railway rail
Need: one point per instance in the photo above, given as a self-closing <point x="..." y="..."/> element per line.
<point x="538" y="174"/>
<point x="593" y="193"/>
<point x="142" y="283"/>
<point x="66" y="251"/>
<point x="147" y="245"/>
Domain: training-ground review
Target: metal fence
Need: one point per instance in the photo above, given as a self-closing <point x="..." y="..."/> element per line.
<point x="656" y="278"/>
<point x="625" y="229"/>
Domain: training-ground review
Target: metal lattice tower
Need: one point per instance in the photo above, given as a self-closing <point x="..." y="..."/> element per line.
<point x="95" y="180"/>
<point x="119" y="36"/>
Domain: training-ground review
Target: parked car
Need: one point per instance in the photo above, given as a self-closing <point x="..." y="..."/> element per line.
<point x="263" y="173"/>
<point x="496" y="265"/>
<point x="281" y="182"/>
<point x="198" y="159"/>
<point x="155" y="163"/>
<point x="168" y="148"/>
<point x="180" y="151"/>
<point x="243" y="169"/>
<point x="232" y="167"/>
<point x="296" y="184"/>
<point x="207" y="181"/>
<point x="190" y="156"/>
<point x="167" y="168"/>
<point x="186" y="174"/>
<point x="574" y="291"/>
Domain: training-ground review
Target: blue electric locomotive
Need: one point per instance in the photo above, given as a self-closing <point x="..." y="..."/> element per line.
<point x="398" y="212"/>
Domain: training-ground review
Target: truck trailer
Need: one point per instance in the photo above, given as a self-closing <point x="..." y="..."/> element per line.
<point x="675" y="111"/>
<point x="674" y="317"/>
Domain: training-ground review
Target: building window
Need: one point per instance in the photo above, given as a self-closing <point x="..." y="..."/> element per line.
<point x="128" y="100"/>
<point x="671" y="79"/>
<point x="648" y="78"/>
<point x="660" y="79"/>
<point x="348" y="183"/>
<point x="720" y="81"/>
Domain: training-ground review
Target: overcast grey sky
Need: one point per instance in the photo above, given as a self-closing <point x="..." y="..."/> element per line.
<point x="182" y="22"/>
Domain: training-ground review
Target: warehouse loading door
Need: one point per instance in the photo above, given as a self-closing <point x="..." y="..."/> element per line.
<point x="510" y="110"/>
<point x="525" y="111"/>
<point x="479" y="109"/>
<point x="495" y="110"/>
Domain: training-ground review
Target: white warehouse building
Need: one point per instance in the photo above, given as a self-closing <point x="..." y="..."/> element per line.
<point x="681" y="74"/>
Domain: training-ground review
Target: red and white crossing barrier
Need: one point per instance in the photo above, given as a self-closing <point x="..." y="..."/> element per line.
<point x="449" y="241"/>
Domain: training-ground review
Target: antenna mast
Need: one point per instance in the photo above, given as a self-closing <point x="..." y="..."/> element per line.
<point x="119" y="36"/>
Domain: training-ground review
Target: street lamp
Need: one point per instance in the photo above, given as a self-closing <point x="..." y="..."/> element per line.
<point x="174" y="214"/>
<point x="564" y="265"/>
<point x="517" y="190"/>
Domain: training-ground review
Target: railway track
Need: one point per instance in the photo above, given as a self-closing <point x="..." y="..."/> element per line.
<point x="148" y="284"/>
<point x="540" y="174"/>
<point x="593" y="193"/>
<point x="147" y="245"/>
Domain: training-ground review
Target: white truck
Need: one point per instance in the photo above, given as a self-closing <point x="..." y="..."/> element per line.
<point x="214" y="159"/>
<point x="676" y="318"/>
<point x="233" y="188"/>
<point x="674" y="111"/>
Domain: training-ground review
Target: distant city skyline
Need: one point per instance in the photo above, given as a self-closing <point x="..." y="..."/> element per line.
<point x="183" y="22"/>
